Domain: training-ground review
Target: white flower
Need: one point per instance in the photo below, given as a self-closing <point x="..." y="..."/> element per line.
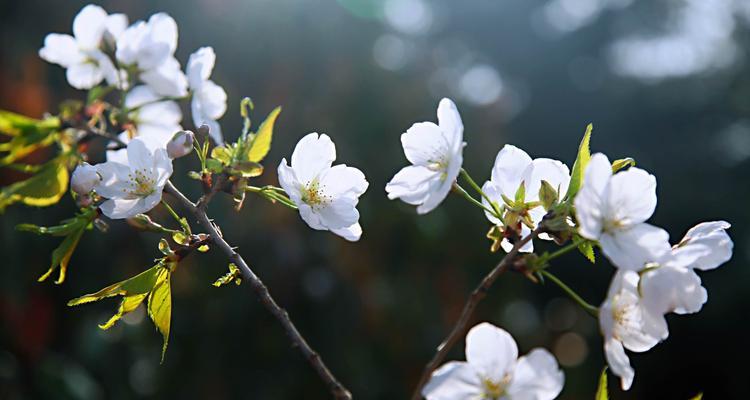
<point x="671" y="284"/>
<point x="627" y="321"/>
<point x="181" y="144"/>
<point x="81" y="53"/>
<point x="134" y="187"/>
<point x="209" y="101"/>
<point x="150" y="46"/>
<point x="436" y="154"/>
<point x="613" y="209"/>
<point x="84" y="179"/>
<point x="327" y="196"/>
<point x="493" y="371"/>
<point x="514" y="167"/>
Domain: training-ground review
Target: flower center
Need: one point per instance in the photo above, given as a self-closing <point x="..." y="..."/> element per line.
<point x="494" y="390"/>
<point x="141" y="184"/>
<point x="624" y="315"/>
<point x="313" y="194"/>
<point x="612" y="225"/>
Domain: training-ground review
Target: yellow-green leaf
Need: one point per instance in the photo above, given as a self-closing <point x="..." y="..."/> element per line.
<point x="262" y="139"/>
<point x="160" y="308"/>
<point x="13" y="124"/>
<point x="22" y="145"/>
<point x="222" y="154"/>
<point x="587" y="249"/>
<point x="622" y="163"/>
<point x="128" y="304"/>
<point x="698" y="396"/>
<point x="233" y="275"/>
<point x="579" y="166"/>
<point x="44" y="188"/>
<point x="139" y="284"/>
<point x="601" y="391"/>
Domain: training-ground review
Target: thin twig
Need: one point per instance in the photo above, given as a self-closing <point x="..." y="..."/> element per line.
<point x="337" y="389"/>
<point x="459" y="328"/>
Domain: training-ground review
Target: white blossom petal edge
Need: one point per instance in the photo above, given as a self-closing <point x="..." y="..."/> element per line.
<point x="134" y="187"/>
<point x="435" y="152"/>
<point x="326" y="195"/>
<point x="492" y="370"/>
<point x="209" y="101"/>
<point x="613" y="209"/>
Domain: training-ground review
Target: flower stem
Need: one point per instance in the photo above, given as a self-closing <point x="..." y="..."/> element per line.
<point x="273" y="194"/>
<point x="570" y="246"/>
<point x="175" y="216"/>
<point x="479" y="190"/>
<point x="458" y="189"/>
<point x="573" y="295"/>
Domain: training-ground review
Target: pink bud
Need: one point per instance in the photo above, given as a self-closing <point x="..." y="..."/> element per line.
<point x="181" y="144"/>
<point x="84" y="179"/>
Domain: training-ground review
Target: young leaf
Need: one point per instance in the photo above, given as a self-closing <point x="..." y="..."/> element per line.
<point x="160" y="308"/>
<point x="698" y="396"/>
<point x="128" y="304"/>
<point x="521" y="194"/>
<point x="262" y="139"/>
<point x="13" y="124"/>
<point x="44" y="188"/>
<point x="139" y="284"/>
<point x="622" y="163"/>
<point x="22" y="145"/>
<point x="547" y="195"/>
<point x="579" y="166"/>
<point x="587" y="249"/>
<point x="601" y="391"/>
<point x="72" y="229"/>
<point x="233" y="275"/>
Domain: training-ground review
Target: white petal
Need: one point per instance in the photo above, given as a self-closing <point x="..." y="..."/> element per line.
<point x="619" y="363"/>
<point x="453" y="381"/>
<point x="116" y="24"/>
<point x="130" y="43"/>
<point x="212" y="100"/>
<point x="164" y="30"/>
<point x="312" y="154"/>
<point x="166" y="79"/>
<point x="591" y="200"/>
<point x="124" y="208"/>
<point x="671" y="289"/>
<point x="140" y="156"/>
<point x="439" y="189"/>
<point x="199" y="66"/>
<point x="312" y="218"/>
<point x="554" y="172"/>
<point x="164" y="113"/>
<point x="61" y="49"/>
<point x="350" y="233"/>
<point x="705" y="246"/>
<point x="510" y="164"/>
<point x="412" y="184"/>
<point x="632" y="196"/>
<point x="338" y="213"/>
<point x="289" y="182"/>
<point x="491" y="351"/>
<point x="84" y="75"/>
<point x="424" y="144"/>
<point x="88" y="26"/>
<point x="494" y="193"/>
<point x="632" y="248"/>
<point x="536" y="377"/>
<point x="526" y="248"/>
<point x="163" y="167"/>
<point x="140" y="95"/>
<point x="450" y="123"/>
<point x="119" y="156"/>
<point x="341" y="180"/>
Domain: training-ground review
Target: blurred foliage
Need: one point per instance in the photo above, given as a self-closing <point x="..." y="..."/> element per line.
<point x="376" y="309"/>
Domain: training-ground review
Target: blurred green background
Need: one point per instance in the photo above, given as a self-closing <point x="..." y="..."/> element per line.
<point x="664" y="82"/>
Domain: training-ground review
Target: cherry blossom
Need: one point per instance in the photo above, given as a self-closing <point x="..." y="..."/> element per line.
<point x="84" y="179"/>
<point x="209" y="101"/>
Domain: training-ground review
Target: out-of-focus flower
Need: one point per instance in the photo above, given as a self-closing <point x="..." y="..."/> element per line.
<point x="513" y="167"/>
<point x="326" y="195"/>
<point x="627" y="322"/>
<point x="84" y="179"/>
<point x="209" y="101"/>
<point x="181" y="144"/>
<point x="493" y="370"/>
<point x="613" y="209"/>
<point x="435" y="152"/>
<point x="136" y="186"/>
<point x="81" y="54"/>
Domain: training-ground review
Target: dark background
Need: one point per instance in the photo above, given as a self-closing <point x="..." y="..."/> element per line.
<point x="663" y="82"/>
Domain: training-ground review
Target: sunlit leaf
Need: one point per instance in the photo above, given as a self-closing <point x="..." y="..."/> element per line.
<point x="698" y="396"/>
<point x="44" y="188"/>
<point x="247" y="169"/>
<point x="579" y="166"/>
<point x="622" y="163"/>
<point x="587" y="249"/>
<point x="72" y="229"/>
<point x="160" y="308"/>
<point x="13" y="124"/>
<point x="139" y="284"/>
<point x="261" y="143"/>
<point x="128" y="304"/>
<point x="601" y="391"/>
<point x="233" y="275"/>
<point x="222" y="154"/>
<point x="547" y="195"/>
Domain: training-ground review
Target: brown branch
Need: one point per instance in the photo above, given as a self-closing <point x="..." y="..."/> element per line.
<point x="459" y="328"/>
<point x="198" y="211"/>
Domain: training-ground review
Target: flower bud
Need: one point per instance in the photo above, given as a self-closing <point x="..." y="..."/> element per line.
<point x="181" y="144"/>
<point x="84" y="179"/>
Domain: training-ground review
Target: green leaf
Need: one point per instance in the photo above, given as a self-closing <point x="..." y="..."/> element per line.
<point x="698" y="396"/>
<point x="261" y="143"/>
<point x="13" y="124"/>
<point x="222" y="154"/>
<point x="233" y="275"/>
<point x="214" y="165"/>
<point x="579" y="166"/>
<point x="601" y="391"/>
<point x="72" y="229"/>
<point x="160" y="308"/>
<point x="139" y="284"/>
<point x="521" y="194"/>
<point x="128" y="304"/>
<point x="547" y="195"/>
<point x="247" y="169"/>
<point x="44" y="188"/>
<point x="587" y="249"/>
<point x="622" y="163"/>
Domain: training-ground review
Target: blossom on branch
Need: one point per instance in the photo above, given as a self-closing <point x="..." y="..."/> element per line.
<point x="435" y="152"/>
<point x="209" y="101"/>
<point x="613" y="208"/>
<point x="84" y="179"/>
<point x="493" y="370"/>
<point x="326" y="195"/>
<point x="82" y="54"/>
<point x="134" y="185"/>
<point x="513" y="168"/>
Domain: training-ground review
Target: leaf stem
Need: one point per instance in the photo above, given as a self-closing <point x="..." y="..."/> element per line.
<point x="461" y="191"/>
<point x="473" y="184"/>
<point x="176" y="217"/>
<point x="273" y="194"/>
<point x="593" y="311"/>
